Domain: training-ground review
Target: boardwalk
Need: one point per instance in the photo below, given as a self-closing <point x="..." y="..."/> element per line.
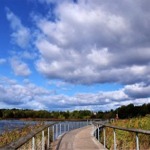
<point x="79" y="139"/>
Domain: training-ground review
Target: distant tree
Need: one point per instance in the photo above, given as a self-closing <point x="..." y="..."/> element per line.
<point x="128" y="111"/>
<point x="100" y="115"/>
<point x="8" y="114"/>
<point x="66" y="115"/>
<point x="1" y="113"/>
<point x="144" y="110"/>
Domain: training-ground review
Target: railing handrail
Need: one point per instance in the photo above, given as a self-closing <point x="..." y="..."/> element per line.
<point x="124" y="129"/>
<point x="56" y="129"/>
<point x="21" y="141"/>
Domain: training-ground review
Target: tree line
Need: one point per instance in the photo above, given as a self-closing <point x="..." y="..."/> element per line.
<point x="123" y="112"/>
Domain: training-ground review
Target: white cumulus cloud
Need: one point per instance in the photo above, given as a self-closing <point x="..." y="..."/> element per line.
<point x="95" y="42"/>
<point x="19" y="67"/>
<point x="21" y="34"/>
<point x="24" y="94"/>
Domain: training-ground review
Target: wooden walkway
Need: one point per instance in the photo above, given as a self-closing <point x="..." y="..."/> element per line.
<point x="79" y="139"/>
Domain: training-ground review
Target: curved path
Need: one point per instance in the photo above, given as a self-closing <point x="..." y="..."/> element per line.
<point x="80" y="139"/>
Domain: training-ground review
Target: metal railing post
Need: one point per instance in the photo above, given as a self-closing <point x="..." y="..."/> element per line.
<point x="33" y="143"/>
<point x="72" y="125"/>
<point x="53" y="128"/>
<point x="104" y="137"/>
<point x="56" y="131"/>
<point x="137" y="142"/>
<point x="43" y="141"/>
<point x="94" y="131"/>
<point x="68" y="126"/>
<point x="98" y="132"/>
<point x="48" y="137"/>
<point x="60" y="129"/>
<point x="114" y="139"/>
<point x="65" y="127"/>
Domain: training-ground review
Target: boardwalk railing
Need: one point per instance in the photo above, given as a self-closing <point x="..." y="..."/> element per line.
<point x="41" y="138"/>
<point x="99" y="127"/>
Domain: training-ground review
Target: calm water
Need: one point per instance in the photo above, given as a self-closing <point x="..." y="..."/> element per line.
<point x="8" y="125"/>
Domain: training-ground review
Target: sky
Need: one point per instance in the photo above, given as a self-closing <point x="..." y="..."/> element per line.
<point x="74" y="54"/>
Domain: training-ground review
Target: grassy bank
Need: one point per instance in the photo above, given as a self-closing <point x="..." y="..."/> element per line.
<point x="126" y="140"/>
<point x="10" y="136"/>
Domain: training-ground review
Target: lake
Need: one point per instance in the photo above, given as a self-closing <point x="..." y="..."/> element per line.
<point x="8" y="125"/>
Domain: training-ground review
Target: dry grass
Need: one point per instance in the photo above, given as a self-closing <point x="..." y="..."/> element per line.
<point x="10" y="136"/>
<point x="126" y="140"/>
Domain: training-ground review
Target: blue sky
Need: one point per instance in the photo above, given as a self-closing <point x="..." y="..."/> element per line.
<point x="72" y="55"/>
